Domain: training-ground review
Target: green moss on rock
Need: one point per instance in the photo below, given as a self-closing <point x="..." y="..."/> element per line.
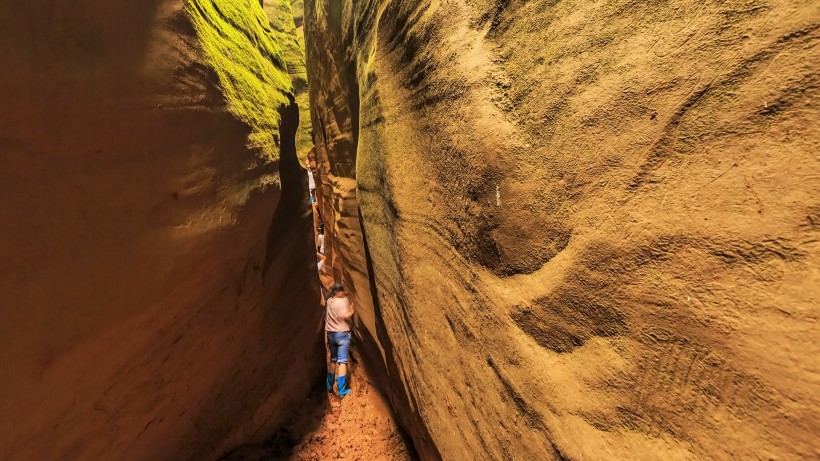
<point x="298" y="7"/>
<point x="281" y="14"/>
<point x="252" y="61"/>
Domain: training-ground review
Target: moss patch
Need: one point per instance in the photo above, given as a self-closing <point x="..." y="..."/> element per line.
<point x="304" y="140"/>
<point x="281" y="14"/>
<point x="298" y="11"/>
<point x="252" y="62"/>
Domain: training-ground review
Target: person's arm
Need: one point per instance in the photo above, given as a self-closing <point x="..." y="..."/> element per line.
<point x="350" y="310"/>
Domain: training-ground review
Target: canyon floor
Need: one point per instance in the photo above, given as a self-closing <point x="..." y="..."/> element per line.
<point x="358" y="427"/>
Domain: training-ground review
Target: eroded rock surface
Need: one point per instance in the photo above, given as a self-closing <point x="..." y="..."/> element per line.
<point x="578" y="230"/>
<point x="157" y="278"/>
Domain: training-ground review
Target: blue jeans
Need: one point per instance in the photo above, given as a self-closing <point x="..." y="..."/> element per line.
<point x="339" y="343"/>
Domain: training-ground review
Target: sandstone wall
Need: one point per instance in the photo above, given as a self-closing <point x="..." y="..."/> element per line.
<point x="157" y="297"/>
<point x="591" y="227"/>
<point x="286" y="21"/>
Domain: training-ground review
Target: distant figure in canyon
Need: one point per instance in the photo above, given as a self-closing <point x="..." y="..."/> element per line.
<point x="320" y="239"/>
<point x="338" y="311"/>
<point x="320" y="261"/>
<point x="311" y="179"/>
<point x="311" y="185"/>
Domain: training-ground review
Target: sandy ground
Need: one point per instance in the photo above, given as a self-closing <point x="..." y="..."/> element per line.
<point x="358" y="427"/>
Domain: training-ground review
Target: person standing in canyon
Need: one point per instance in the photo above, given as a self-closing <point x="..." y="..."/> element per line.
<point x="311" y="185"/>
<point x="311" y="178"/>
<point x="320" y="261"/>
<point x="338" y="312"/>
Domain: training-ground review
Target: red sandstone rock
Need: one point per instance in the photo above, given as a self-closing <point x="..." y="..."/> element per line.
<point x="590" y="227"/>
<point x="157" y="288"/>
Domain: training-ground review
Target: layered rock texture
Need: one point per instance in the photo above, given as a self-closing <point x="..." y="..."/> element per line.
<point x="157" y="278"/>
<point x="578" y="230"/>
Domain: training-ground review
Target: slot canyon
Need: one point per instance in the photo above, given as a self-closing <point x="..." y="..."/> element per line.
<point x="571" y="230"/>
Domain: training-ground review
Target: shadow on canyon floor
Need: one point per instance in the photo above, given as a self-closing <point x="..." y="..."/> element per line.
<point x="359" y="427"/>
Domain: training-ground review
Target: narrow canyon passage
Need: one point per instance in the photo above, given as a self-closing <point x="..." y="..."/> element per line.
<point x="359" y="427"/>
<point x="571" y="230"/>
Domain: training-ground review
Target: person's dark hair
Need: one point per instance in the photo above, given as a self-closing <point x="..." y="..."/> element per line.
<point x="335" y="288"/>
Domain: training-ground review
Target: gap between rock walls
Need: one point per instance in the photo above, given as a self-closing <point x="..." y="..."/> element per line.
<point x="362" y="424"/>
<point x="359" y="426"/>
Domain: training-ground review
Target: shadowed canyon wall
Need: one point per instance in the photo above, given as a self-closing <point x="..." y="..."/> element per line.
<point x="157" y="278"/>
<point x="578" y="230"/>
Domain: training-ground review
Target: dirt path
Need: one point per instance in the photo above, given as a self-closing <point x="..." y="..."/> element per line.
<point x="358" y="427"/>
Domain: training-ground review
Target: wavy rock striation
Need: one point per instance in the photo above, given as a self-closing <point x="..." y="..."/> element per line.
<point x="578" y="230"/>
<point x="157" y="288"/>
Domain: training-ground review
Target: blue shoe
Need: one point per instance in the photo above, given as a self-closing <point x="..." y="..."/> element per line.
<point x="329" y="382"/>
<point x="342" y="382"/>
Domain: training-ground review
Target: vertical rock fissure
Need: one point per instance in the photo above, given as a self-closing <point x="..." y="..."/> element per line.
<point x="336" y="142"/>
